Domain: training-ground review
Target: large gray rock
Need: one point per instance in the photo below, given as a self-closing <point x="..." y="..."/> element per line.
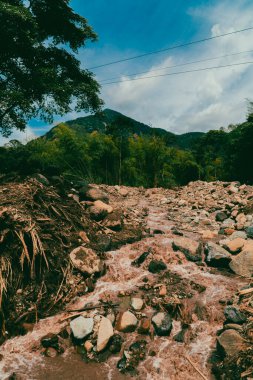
<point x="81" y="327"/>
<point x="242" y="264"/>
<point x="105" y="332"/>
<point x="86" y="260"/>
<point x="216" y="256"/>
<point x="191" y="248"/>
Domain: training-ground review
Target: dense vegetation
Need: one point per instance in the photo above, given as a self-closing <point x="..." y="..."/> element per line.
<point x="40" y="75"/>
<point x="117" y="156"/>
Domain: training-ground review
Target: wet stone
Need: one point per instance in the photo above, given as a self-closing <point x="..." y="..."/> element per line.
<point x="233" y="326"/>
<point x="140" y="260"/>
<point x="116" y="344"/>
<point x="235" y="246"/>
<point x="233" y="315"/>
<point x="127" y="322"/>
<point x="85" y="260"/>
<point x="230" y="343"/>
<point x="216" y="256"/>
<point x="81" y="327"/>
<point x="93" y="194"/>
<point x="156" y="266"/>
<point x="50" y="340"/>
<point x="105" y="332"/>
<point x="162" y="323"/>
<point x="190" y="248"/>
<point x="180" y="336"/>
<point x="220" y="216"/>
<point x="249" y="232"/>
<point x="242" y="264"/>
<point x="137" y="303"/>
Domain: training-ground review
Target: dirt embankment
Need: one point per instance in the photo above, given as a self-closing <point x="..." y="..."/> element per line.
<point x="175" y="301"/>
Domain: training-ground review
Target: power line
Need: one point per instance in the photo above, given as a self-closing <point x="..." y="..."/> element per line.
<point x="181" y="72"/>
<point x="178" y="65"/>
<point x="171" y="48"/>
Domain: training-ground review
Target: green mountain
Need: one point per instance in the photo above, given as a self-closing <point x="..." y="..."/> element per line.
<point x="114" y="123"/>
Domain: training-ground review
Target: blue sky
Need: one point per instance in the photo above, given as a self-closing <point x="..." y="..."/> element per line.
<point x="189" y="102"/>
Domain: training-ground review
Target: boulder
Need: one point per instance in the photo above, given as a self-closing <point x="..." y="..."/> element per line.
<point x="105" y="332"/>
<point x="233" y="315"/>
<point x="95" y="194"/>
<point x="99" y="210"/>
<point x="230" y="343"/>
<point x="103" y="242"/>
<point x="162" y="323"/>
<point x="233" y="189"/>
<point x="103" y="206"/>
<point x="238" y="234"/>
<point x="249" y="232"/>
<point x="208" y="234"/>
<point x="235" y="245"/>
<point x="242" y="264"/>
<point x="216" y="256"/>
<point x="86" y="260"/>
<point x="233" y="326"/>
<point x="220" y="216"/>
<point x="156" y="266"/>
<point x="191" y="248"/>
<point x="228" y="223"/>
<point x="123" y="192"/>
<point x="137" y="303"/>
<point x="127" y="322"/>
<point x="114" y="221"/>
<point x="81" y="327"/>
<point x="241" y="220"/>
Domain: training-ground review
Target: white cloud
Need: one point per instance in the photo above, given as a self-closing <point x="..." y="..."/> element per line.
<point x="23" y="137"/>
<point x="196" y="101"/>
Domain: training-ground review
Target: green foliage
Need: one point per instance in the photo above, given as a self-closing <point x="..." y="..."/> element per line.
<point x="135" y="160"/>
<point x="38" y="76"/>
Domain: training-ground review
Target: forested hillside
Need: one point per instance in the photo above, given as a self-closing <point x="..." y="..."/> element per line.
<point x="113" y="149"/>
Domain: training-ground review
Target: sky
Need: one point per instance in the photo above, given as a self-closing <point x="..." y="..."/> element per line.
<point x="197" y="101"/>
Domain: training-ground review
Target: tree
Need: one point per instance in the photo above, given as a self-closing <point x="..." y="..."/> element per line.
<point x="39" y="73"/>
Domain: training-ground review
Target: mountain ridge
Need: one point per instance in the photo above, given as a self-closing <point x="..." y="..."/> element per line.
<point x="115" y="123"/>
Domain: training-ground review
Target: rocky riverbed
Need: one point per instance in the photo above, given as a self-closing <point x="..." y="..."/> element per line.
<point x="175" y="301"/>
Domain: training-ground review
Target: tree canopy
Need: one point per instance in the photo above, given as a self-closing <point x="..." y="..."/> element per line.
<point x="39" y="73"/>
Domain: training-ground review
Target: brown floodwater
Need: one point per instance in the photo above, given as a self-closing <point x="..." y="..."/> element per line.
<point x="22" y="354"/>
